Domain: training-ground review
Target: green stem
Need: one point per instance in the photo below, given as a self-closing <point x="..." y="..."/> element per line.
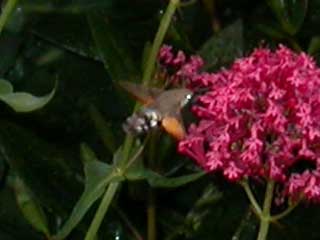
<point x="127" y="145"/>
<point x="100" y="213"/>
<point x="188" y="3"/>
<point x="147" y="75"/>
<point x="164" y="25"/>
<point x="284" y="213"/>
<point x="112" y="188"/>
<point x="264" y="228"/>
<point x="7" y="10"/>
<point x="151" y="215"/>
<point x="252" y="199"/>
<point x="152" y="159"/>
<point x="151" y="209"/>
<point x="265" y="215"/>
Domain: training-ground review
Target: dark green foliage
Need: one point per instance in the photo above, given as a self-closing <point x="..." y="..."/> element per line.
<point x="87" y="47"/>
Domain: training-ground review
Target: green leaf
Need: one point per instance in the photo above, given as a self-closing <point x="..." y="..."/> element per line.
<point x="112" y="49"/>
<point x="223" y="48"/>
<point x="178" y="36"/>
<point x="314" y="45"/>
<point x="25" y="102"/>
<point x="138" y="172"/>
<point x="5" y="87"/>
<point x="29" y="207"/>
<point x="156" y="180"/>
<point x="17" y="21"/>
<point x="272" y="31"/>
<point x="50" y="173"/>
<point x="13" y="224"/>
<point x="97" y="176"/>
<point x="210" y="196"/>
<point x="21" y="101"/>
<point x="290" y="13"/>
<point x="74" y="36"/>
<point x="247" y="226"/>
<point x="6" y="12"/>
<point x="66" y="6"/>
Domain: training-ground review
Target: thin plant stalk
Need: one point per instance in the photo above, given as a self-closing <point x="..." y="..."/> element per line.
<point x="265" y="215"/>
<point x="103" y="208"/>
<point x="151" y="201"/>
<point x="112" y="188"/>
<point x="164" y="25"/>
<point x="151" y="215"/>
<point x="252" y="199"/>
<point x="6" y="13"/>
<point x="285" y="212"/>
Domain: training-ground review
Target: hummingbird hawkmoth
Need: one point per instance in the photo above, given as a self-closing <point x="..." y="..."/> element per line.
<point x="161" y="108"/>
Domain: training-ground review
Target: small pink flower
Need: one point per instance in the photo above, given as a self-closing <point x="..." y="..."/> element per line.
<point x="180" y="59"/>
<point x="165" y="54"/>
<point x="258" y="119"/>
<point x="184" y="67"/>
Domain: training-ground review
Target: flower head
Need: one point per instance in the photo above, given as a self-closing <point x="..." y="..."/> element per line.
<point x="184" y="68"/>
<point x="258" y="119"/>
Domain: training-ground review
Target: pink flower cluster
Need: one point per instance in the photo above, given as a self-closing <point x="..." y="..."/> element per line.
<point x="258" y="119"/>
<point x="184" y="68"/>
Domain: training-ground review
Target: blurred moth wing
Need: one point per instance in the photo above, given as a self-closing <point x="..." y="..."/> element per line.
<point x="141" y="93"/>
<point x="161" y="108"/>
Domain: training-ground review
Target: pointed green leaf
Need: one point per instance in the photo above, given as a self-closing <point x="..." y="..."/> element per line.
<point x="21" y="101"/>
<point x="87" y="155"/>
<point x="112" y="49"/>
<point x="199" y="211"/>
<point x="6" y="12"/>
<point x="13" y="224"/>
<point x="314" y="45"/>
<point x="156" y="180"/>
<point x="290" y="13"/>
<point x="138" y="172"/>
<point x="25" y="102"/>
<point x="43" y="167"/>
<point x="29" y="207"/>
<point x="223" y="48"/>
<point x="97" y="176"/>
<point x="271" y="30"/>
<point x="65" y="6"/>
<point x="74" y="36"/>
<point x="5" y="87"/>
<point x="247" y="226"/>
